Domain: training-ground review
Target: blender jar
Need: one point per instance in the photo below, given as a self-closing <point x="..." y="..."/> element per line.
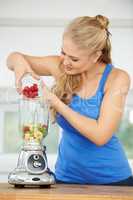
<point x="33" y="120"/>
<point x="33" y="112"/>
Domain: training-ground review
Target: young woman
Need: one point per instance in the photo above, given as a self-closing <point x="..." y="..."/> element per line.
<point x="87" y="101"/>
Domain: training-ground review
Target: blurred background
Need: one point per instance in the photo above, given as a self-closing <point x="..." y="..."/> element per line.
<point x="35" y="27"/>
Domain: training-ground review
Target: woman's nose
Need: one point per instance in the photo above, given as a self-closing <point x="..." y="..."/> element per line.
<point x="66" y="61"/>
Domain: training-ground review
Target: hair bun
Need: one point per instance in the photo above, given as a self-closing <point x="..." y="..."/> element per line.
<point x="103" y="21"/>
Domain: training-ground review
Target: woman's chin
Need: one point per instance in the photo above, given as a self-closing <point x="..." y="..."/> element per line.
<point x="70" y="72"/>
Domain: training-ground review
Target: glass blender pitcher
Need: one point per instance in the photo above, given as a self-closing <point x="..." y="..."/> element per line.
<point x="34" y="121"/>
<point x="32" y="167"/>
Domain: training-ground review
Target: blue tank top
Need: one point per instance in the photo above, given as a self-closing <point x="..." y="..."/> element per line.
<point x="80" y="160"/>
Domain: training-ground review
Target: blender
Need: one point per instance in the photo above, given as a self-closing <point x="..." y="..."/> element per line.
<point x="32" y="166"/>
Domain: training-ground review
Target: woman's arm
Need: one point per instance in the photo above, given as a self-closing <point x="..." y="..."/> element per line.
<point x="101" y="130"/>
<point x="22" y="64"/>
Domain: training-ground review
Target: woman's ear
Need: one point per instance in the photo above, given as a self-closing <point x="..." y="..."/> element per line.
<point x="97" y="56"/>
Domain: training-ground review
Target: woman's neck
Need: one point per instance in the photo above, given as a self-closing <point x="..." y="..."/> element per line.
<point x="93" y="73"/>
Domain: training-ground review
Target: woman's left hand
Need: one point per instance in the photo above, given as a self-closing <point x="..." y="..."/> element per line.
<point x="49" y="97"/>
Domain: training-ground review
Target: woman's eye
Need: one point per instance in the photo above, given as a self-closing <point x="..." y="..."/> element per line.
<point x="63" y="53"/>
<point x="74" y="60"/>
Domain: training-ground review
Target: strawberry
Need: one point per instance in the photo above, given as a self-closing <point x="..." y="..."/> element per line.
<point x="30" y="92"/>
<point x="25" y="90"/>
<point x="26" y="129"/>
<point x="44" y="126"/>
<point x="35" y="87"/>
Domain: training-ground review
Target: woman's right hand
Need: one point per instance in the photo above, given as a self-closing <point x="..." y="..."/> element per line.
<point x="17" y="62"/>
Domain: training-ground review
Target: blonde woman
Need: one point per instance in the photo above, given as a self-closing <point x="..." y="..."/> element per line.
<point x="87" y="101"/>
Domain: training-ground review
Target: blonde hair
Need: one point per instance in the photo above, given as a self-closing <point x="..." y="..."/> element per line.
<point x="88" y="33"/>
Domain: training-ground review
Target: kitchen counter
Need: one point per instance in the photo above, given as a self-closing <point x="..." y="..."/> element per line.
<point x="65" y="191"/>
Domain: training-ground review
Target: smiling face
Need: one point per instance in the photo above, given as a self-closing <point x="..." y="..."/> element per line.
<point x="75" y="60"/>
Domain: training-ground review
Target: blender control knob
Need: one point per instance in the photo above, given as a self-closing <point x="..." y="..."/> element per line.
<point x="37" y="164"/>
<point x="36" y="157"/>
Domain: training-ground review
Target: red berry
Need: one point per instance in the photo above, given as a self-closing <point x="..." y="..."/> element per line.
<point x="35" y="87"/>
<point x="26" y="88"/>
<point x="32" y="95"/>
<point x="44" y="126"/>
<point x="35" y="94"/>
<point x="30" y="92"/>
<point x="25" y="93"/>
<point x="26" y="129"/>
<point x="32" y="88"/>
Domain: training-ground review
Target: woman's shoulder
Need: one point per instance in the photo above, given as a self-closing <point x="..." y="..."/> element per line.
<point x="121" y="75"/>
<point x="118" y="78"/>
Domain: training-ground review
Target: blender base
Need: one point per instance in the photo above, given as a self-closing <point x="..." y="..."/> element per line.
<point x="24" y="179"/>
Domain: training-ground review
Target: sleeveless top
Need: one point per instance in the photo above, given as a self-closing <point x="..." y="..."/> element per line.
<point x="80" y="160"/>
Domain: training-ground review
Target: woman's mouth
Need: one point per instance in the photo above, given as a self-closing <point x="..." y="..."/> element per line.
<point x="68" y="68"/>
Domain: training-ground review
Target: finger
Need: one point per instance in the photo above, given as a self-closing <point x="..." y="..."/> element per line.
<point x="45" y="91"/>
<point x="18" y="82"/>
<point x="18" y="85"/>
<point x="42" y="83"/>
<point x="44" y="87"/>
